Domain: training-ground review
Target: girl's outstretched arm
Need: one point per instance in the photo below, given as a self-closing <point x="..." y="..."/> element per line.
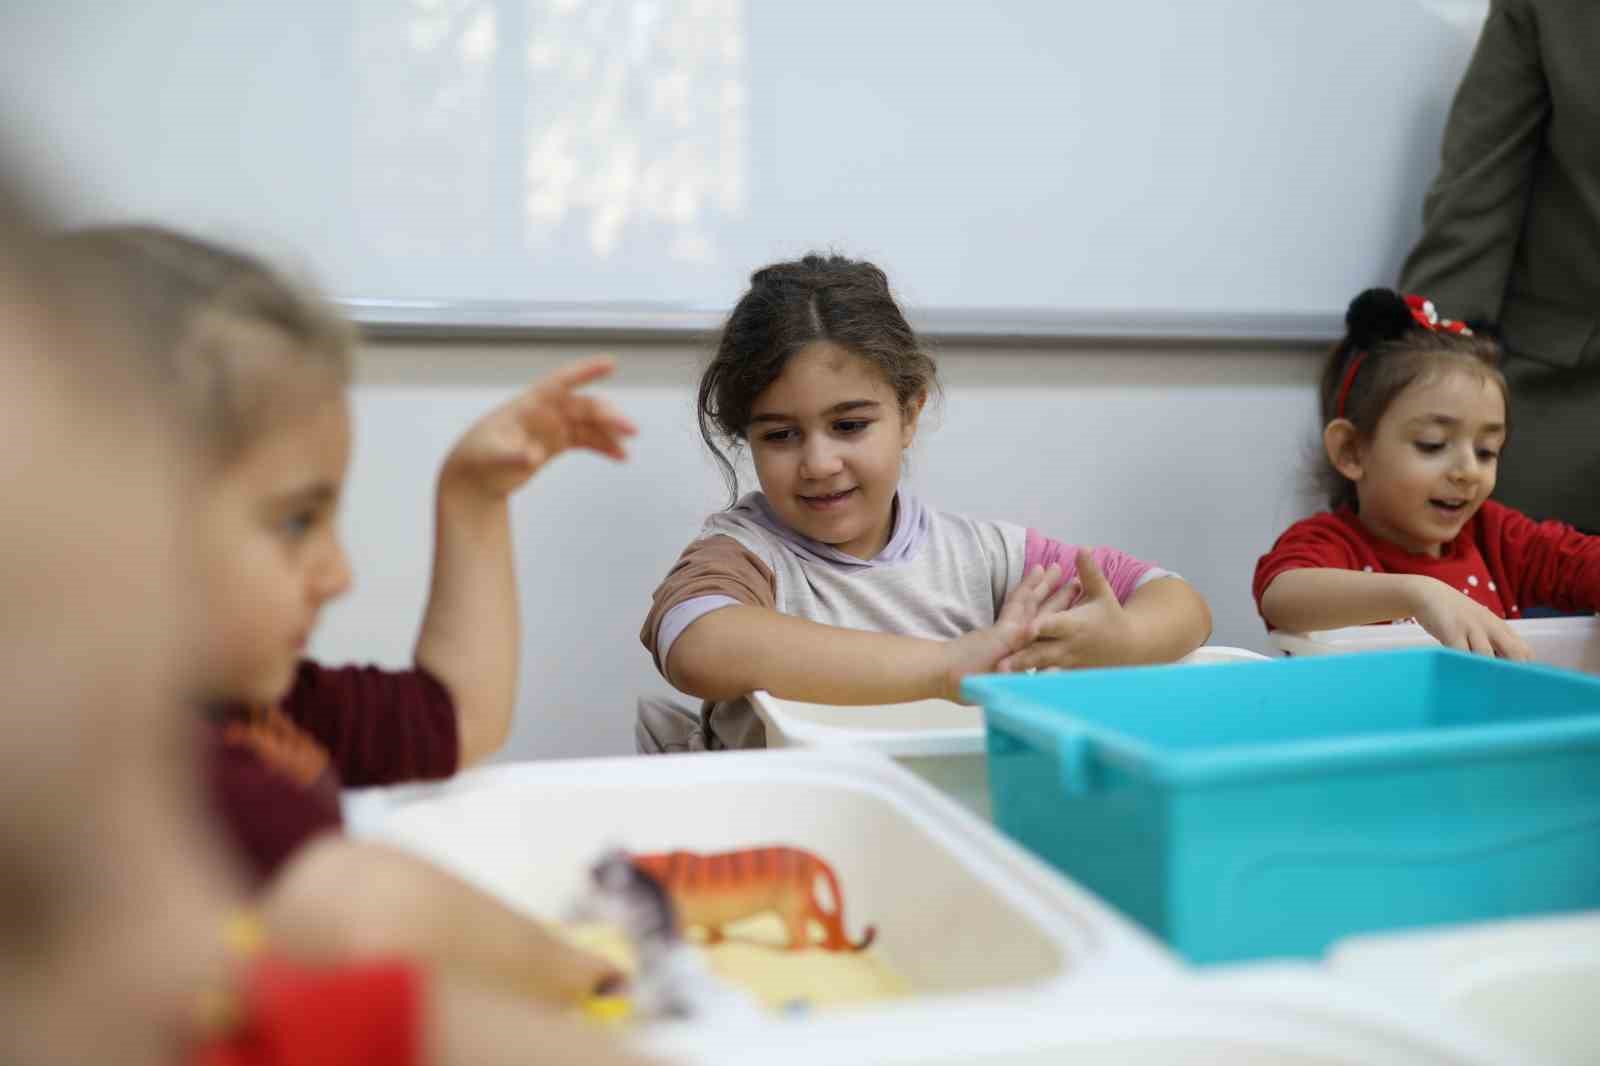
<point x="342" y="900"/>
<point x="468" y="1026"/>
<point x="1323" y="598"/>
<point x="1329" y="598"/>
<point x="471" y="632"/>
<point x="736" y="650"/>
<point x="1170" y="619"/>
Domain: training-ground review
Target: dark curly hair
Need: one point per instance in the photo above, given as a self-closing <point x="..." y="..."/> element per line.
<point x="791" y="305"/>
<point x="1399" y="354"/>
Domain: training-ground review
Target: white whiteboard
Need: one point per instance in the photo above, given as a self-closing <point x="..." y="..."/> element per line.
<point x="1201" y="166"/>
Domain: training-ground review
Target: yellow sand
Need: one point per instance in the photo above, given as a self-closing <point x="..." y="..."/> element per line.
<point x="753" y="957"/>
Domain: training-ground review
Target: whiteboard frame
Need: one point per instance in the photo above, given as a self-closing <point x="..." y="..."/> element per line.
<point x="442" y="320"/>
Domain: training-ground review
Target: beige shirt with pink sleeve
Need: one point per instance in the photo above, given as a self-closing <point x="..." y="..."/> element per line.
<point x="940" y="576"/>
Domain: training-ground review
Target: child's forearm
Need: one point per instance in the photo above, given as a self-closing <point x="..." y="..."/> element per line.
<point x="344" y="900"/>
<point x="736" y="650"/>
<point x="1170" y="619"/>
<point x="1317" y="598"/>
<point x="465" y="1025"/>
<point x="471" y="630"/>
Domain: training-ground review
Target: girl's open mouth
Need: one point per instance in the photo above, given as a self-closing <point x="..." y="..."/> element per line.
<point x="828" y="502"/>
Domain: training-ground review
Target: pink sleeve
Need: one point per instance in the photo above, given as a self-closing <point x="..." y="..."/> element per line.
<point x="1123" y="571"/>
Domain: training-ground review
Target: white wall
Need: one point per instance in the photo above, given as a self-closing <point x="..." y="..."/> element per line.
<point x="1190" y="457"/>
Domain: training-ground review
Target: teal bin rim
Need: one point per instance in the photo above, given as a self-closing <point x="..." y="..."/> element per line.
<point x="1078" y="742"/>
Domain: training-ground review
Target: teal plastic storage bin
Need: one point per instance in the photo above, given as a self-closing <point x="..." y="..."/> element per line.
<point x="1268" y="809"/>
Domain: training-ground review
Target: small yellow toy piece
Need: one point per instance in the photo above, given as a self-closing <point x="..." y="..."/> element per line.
<point x="244" y="934"/>
<point x="611" y="1010"/>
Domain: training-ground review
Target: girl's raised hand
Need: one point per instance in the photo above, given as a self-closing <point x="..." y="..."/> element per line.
<point x="507" y="446"/>
<point x="1457" y="621"/>
<point x="980" y="651"/>
<point x="1093" y="631"/>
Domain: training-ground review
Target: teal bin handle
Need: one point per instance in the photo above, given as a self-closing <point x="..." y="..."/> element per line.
<point x="1073" y="748"/>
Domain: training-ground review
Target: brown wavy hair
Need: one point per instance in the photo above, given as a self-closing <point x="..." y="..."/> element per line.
<point x="789" y="306"/>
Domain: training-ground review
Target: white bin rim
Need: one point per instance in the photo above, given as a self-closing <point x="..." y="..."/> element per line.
<point x="922" y="729"/>
<point x="1565" y="641"/>
<point x="1300" y="1012"/>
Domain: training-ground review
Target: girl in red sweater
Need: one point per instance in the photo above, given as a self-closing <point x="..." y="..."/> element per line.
<point x="1415" y="416"/>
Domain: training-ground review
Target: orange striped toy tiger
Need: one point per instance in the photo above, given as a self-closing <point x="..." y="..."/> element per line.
<point x="712" y="891"/>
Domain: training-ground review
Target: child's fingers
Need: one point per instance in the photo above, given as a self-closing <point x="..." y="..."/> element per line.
<point x="596" y="439"/>
<point x="525" y="463"/>
<point x="575" y="375"/>
<point x="577" y="421"/>
<point x="1019" y="603"/>
<point x="1038" y="590"/>
<point x="1016" y="663"/>
<point x="1058" y="599"/>
<point x="1063" y="625"/>
<point x="1091" y="578"/>
<point x="1062" y="598"/>
<point x="617" y="431"/>
<point x="557" y="386"/>
<point x="579" y="411"/>
<point x="1447" y="631"/>
<point x="575" y="974"/>
<point x="602" y="413"/>
<point x="1042" y="654"/>
<point x="1508" y="645"/>
<point x="591" y="433"/>
<point x="1454" y="638"/>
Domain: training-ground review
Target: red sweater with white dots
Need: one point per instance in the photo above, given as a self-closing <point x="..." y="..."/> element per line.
<point x="1501" y="558"/>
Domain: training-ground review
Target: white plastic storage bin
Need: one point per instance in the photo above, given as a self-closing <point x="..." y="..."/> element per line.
<point x="939" y="741"/>
<point x="1275" y="1017"/>
<point x="1571" y="643"/>
<point x="962" y="914"/>
<point x="1534" y="983"/>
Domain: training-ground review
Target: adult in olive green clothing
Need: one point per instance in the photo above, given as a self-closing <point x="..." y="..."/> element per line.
<point x="1512" y="235"/>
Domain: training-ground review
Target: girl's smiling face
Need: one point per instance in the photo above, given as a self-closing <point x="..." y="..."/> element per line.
<point x="1431" y="462"/>
<point x="827" y="438"/>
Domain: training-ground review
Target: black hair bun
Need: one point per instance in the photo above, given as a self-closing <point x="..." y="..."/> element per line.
<point x="1375" y="316"/>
